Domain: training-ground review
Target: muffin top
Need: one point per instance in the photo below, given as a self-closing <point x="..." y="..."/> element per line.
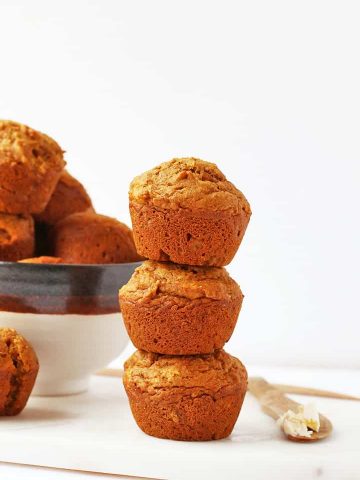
<point x="69" y="197"/>
<point x="153" y="279"/>
<point x="13" y="227"/>
<point x="22" y="144"/>
<point x="44" y="260"/>
<point x="88" y="237"/>
<point x="188" y="183"/>
<point x="151" y="371"/>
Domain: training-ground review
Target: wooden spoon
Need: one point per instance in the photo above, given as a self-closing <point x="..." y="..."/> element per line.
<point x="274" y="403"/>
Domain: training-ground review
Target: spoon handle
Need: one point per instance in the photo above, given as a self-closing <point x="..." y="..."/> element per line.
<point x="315" y="392"/>
<point x="272" y="400"/>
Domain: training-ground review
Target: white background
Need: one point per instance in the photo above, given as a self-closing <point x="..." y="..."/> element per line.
<point x="267" y="90"/>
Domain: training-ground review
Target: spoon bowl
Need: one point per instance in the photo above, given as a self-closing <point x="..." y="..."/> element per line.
<point x="274" y="403"/>
<point x="325" y="430"/>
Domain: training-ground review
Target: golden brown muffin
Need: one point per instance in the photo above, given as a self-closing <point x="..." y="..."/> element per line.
<point x="18" y="370"/>
<point x="185" y="397"/>
<point x="30" y="166"/>
<point x="69" y="197"/>
<point x="43" y="260"/>
<point x="88" y="237"/>
<point x="17" y="238"/>
<point x="179" y="309"/>
<point x="186" y="211"/>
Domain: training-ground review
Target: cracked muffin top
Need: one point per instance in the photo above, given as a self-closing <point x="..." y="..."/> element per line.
<point x="153" y="279"/>
<point x="188" y="183"/>
<point x="18" y="369"/>
<point x="150" y="372"/>
<point x="20" y="351"/>
<point x="21" y="144"/>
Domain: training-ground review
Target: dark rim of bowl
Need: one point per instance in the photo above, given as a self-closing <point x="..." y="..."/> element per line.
<point x="62" y="288"/>
<point x="87" y="265"/>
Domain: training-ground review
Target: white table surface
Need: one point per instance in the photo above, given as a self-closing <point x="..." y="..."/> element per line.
<point x="52" y="429"/>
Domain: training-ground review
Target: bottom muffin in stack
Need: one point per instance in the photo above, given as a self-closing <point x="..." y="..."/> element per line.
<point x="192" y="397"/>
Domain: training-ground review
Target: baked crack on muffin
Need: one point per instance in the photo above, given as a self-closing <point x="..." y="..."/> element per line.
<point x="186" y="211"/>
<point x="185" y="397"/>
<point x="30" y="166"/>
<point x="18" y="370"/>
<point x="179" y="309"/>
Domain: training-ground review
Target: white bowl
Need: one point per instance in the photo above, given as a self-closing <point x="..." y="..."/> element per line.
<point x="70" y="314"/>
<point x="69" y="347"/>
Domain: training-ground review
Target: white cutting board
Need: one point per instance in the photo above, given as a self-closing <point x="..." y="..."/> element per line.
<point x="95" y="432"/>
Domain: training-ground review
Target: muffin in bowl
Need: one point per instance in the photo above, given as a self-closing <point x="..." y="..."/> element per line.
<point x="185" y="397"/>
<point x="90" y="238"/>
<point x="17" y="238"/>
<point x="44" y="260"/>
<point x="186" y="211"/>
<point x="30" y="166"/>
<point x="69" y="197"/>
<point x="180" y="309"/>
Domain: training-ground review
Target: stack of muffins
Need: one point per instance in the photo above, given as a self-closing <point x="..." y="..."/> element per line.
<point x="44" y="211"/>
<point x="181" y="306"/>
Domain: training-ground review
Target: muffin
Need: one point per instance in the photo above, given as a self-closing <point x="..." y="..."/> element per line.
<point x="186" y="211"/>
<point x="30" y="166"/>
<point x="43" y="260"/>
<point x="91" y="238"/>
<point x="179" y="309"/>
<point x="185" y="397"/>
<point x="69" y="197"/>
<point x="17" y="239"/>
<point x="18" y="370"/>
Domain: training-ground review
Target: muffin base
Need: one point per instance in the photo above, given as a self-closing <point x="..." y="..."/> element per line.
<point x="25" y="191"/>
<point x="17" y="243"/>
<point x="187" y="237"/>
<point x="177" y="326"/>
<point x="187" y="414"/>
<point x="18" y="250"/>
